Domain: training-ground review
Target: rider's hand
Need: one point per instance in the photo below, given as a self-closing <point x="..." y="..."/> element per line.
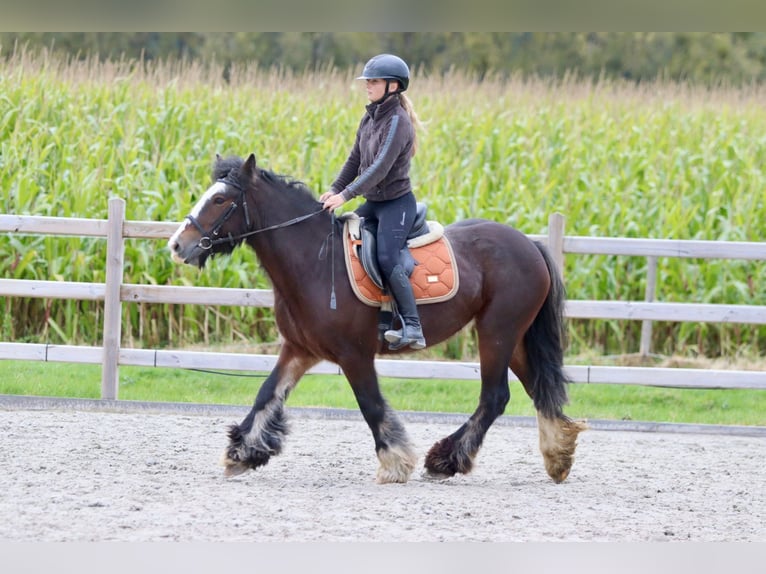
<point x="333" y="202"/>
<point x="324" y="197"/>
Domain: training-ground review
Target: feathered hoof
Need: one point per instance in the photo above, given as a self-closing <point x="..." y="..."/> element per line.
<point x="445" y="460"/>
<point x="396" y="464"/>
<point x="558" y="441"/>
<point x="238" y="459"/>
<point x="558" y="468"/>
<point x="235" y="469"/>
<point x="385" y="476"/>
<point x="435" y="476"/>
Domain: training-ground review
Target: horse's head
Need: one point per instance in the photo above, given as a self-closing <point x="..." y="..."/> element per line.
<point x="221" y="216"/>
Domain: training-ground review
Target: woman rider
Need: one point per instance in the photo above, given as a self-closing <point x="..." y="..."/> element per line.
<point x="378" y="169"/>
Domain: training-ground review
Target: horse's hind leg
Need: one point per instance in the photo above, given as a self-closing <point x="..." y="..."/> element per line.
<point x="260" y="435"/>
<point x="457" y="452"/>
<point x="558" y="433"/>
<point x="392" y="445"/>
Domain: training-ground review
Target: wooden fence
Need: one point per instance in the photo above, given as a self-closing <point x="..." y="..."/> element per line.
<point x="114" y="293"/>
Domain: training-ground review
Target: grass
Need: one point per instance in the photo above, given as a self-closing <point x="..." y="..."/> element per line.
<point x="611" y="402"/>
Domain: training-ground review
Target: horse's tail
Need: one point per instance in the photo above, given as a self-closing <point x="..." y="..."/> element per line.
<point x="545" y="341"/>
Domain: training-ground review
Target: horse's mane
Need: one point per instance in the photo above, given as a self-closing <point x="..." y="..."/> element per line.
<point x="224" y="165"/>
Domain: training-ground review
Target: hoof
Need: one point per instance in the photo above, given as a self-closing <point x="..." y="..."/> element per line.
<point x="387" y="477"/>
<point x="396" y="464"/>
<point x="435" y="476"/>
<point x="558" y="471"/>
<point x="558" y="441"/>
<point x="236" y="462"/>
<point x="232" y="467"/>
<point x="235" y="469"/>
<point x="445" y="459"/>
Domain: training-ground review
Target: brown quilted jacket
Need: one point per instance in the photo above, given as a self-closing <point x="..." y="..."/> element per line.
<point x="378" y="166"/>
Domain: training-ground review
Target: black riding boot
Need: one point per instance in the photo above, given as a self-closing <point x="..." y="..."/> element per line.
<point x="411" y="333"/>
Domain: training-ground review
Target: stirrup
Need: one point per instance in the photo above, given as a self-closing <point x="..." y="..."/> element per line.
<point x="393" y="335"/>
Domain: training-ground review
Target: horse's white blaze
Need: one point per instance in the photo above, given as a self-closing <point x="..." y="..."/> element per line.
<point x="195" y="212"/>
<point x="217" y="187"/>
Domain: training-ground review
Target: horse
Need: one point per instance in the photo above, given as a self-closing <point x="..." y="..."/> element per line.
<point x="509" y="286"/>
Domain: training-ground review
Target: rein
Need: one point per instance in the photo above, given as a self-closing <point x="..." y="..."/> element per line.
<point x="206" y="242"/>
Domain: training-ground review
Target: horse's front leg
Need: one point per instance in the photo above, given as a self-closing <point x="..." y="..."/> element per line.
<point x="392" y="445"/>
<point x="260" y="435"/>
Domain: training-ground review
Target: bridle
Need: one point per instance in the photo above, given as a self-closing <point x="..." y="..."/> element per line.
<point x="206" y="242"/>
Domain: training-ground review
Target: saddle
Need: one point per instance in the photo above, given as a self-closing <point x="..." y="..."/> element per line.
<point x="427" y="258"/>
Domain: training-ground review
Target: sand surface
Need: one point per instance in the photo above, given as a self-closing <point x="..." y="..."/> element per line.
<point x="100" y="476"/>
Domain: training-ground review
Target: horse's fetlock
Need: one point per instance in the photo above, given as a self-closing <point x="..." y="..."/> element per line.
<point x="234" y="454"/>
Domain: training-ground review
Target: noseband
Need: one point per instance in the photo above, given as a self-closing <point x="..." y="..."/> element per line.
<point x="207" y="243"/>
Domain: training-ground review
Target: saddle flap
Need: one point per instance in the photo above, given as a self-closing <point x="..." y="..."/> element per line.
<point x="368" y="250"/>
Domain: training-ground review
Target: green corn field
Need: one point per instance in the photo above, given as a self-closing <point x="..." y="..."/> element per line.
<point x="617" y="160"/>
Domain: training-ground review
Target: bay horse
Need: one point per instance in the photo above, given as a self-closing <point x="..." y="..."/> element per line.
<point x="509" y="286"/>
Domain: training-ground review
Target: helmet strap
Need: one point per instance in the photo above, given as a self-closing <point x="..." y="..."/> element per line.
<point x="388" y="93"/>
<point x="388" y="87"/>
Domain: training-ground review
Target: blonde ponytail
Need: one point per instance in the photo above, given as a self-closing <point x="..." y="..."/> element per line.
<point x="416" y="123"/>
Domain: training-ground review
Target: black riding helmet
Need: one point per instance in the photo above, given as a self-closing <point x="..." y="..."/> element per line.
<point x="387" y="67"/>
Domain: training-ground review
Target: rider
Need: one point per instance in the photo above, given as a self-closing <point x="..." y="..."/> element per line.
<point x="378" y="169"/>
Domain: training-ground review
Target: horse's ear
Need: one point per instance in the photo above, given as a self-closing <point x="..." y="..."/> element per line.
<point x="218" y="157"/>
<point x="249" y="167"/>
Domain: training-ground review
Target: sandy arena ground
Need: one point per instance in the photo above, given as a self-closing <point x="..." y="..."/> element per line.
<point x="69" y="475"/>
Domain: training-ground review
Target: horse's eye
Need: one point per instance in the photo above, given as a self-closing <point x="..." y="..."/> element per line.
<point x="218" y="200"/>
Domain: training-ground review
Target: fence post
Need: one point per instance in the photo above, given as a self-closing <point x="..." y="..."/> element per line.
<point x="115" y="256"/>
<point x="556" y="239"/>
<point x="651" y="288"/>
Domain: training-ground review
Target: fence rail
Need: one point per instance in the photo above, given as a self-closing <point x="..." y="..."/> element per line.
<point x="580" y="309"/>
<point x="114" y="292"/>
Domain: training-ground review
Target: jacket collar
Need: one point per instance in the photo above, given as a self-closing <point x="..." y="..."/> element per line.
<point x="375" y="109"/>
